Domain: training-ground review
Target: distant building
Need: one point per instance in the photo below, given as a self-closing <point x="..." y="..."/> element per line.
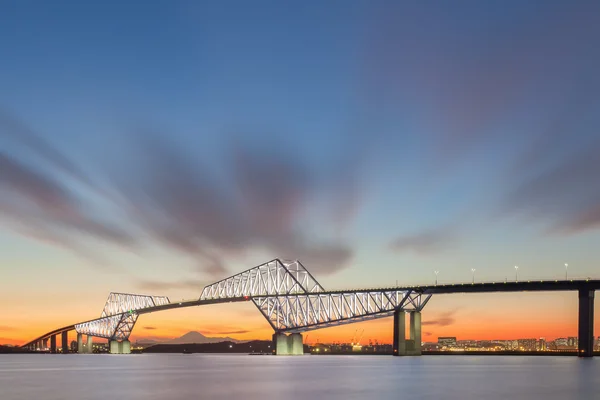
<point x="447" y="341"/>
<point x="542" y="346"/>
<point x="572" y="342"/>
<point x="73" y="346"/>
<point x="561" y="343"/>
<point x="527" y="344"/>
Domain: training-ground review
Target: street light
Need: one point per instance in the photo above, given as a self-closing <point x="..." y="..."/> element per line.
<point x="473" y="271"/>
<point x="566" y="272"/>
<point x="436" y="274"/>
<point x="516" y="273"/>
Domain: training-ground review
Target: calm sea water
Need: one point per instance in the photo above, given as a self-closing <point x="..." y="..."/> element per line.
<point x="201" y="376"/>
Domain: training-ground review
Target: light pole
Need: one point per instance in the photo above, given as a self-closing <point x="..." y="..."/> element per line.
<point x="436" y="274"/>
<point x="473" y="271"/>
<point x="566" y="271"/>
<point x="516" y="273"/>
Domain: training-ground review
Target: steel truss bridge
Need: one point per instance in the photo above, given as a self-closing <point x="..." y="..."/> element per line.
<point x="293" y="301"/>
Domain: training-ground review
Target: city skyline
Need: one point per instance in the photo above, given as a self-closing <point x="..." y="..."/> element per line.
<point x="157" y="161"/>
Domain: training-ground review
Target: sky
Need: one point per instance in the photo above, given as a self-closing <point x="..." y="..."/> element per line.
<point x="159" y="147"/>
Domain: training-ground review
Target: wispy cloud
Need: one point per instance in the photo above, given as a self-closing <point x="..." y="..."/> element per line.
<point x="38" y="201"/>
<point x="425" y="243"/>
<point x="238" y="332"/>
<point x="444" y="319"/>
<point x="150" y="328"/>
<point x="564" y="197"/>
<point x="259" y="203"/>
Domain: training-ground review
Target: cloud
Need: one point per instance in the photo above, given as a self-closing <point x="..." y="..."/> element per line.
<point x="36" y="203"/>
<point x="150" y="328"/>
<point x="565" y="197"/>
<point x="445" y="319"/>
<point x="239" y="332"/>
<point x="425" y="243"/>
<point x="260" y="202"/>
<point x="6" y="328"/>
<point x="255" y="200"/>
<point x="16" y="130"/>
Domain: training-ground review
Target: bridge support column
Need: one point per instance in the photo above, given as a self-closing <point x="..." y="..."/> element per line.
<point x="45" y="344"/>
<point x="125" y="347"/>
<point x="89" y="345"/>
<point x="113" y="347"/>
<point x="403" y="347"/>
<point x="399" y="333"/>
<point x="53" y="344"/>
<point x="280" y="344"/>
<point x="65" y="343"/>
<point x="80" y="349"/>
<point x="288" y="345"/>
<point x="415" y="332"/>
<point x="586" y="323"/>
<point x="295" y="344"/>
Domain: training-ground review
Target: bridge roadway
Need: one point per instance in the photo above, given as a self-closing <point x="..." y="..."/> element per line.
<point x="585" y="288"/>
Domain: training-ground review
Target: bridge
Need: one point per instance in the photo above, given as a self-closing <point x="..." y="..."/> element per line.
<point x="293" y="302"/>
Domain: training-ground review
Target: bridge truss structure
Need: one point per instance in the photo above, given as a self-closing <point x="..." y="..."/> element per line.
<point x="284" y="291"/>
<point x="119" y="315"/>
<point x="304" y="312"/>
<point x="275" y="277"/>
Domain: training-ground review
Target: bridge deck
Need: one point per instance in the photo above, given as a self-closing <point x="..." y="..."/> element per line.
<point x="484" y="287"/>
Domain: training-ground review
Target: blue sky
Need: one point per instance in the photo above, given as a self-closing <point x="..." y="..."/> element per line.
<point x="167" y="144"/>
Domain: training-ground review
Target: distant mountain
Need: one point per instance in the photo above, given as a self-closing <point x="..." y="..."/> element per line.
<point x="197" y="337"/>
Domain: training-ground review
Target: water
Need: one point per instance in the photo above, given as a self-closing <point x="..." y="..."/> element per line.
<point x="202" y="376"/>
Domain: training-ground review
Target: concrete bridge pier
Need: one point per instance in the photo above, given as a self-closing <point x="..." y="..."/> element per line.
<point x="415" y="332"/>
<point x="53" y="344"/>
<point x="288" y="345"/>
<point x="115" y="347"/>
<point x="80" y="349"/>
<point x="65" y="342"/>
<point x="403" y="347"/>
<point x="45" y="344"/>
<point x="89" y="347"/>
<point x="586" y="323"/>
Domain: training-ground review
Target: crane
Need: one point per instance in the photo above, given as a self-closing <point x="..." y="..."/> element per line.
<point x="356" y="346"/>
<point x="353" y="337"/>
